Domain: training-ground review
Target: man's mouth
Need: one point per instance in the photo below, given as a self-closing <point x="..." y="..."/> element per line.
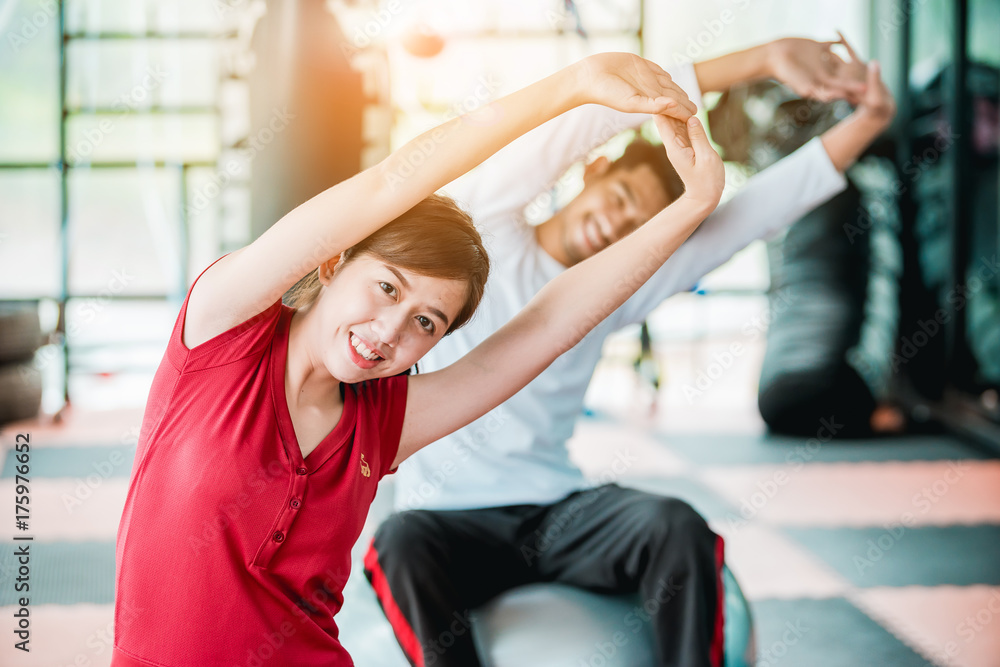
<point x="363" y="351"/>
<point x="592" y="234"/>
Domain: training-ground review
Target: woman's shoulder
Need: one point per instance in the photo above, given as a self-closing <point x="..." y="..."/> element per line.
<point x="384" y="398"/>
<point x="248" y="338"/>
<point x="381" y="388"/>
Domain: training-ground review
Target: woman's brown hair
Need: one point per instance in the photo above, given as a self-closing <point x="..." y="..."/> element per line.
<point x="434" y="238"/>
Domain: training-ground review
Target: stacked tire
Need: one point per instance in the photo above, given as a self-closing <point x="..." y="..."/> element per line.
<point x="20" y="381"/>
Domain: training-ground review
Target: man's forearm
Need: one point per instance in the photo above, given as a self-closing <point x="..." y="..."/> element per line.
<point x="848" y="139"/>
<point x="808" y="67"/>
<point x="747" y="66"/>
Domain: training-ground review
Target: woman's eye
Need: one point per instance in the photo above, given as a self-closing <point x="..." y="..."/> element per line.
<point x="387" y="288"/>
<point x="426" y="323"/>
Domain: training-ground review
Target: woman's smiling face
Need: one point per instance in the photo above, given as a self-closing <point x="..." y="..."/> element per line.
<point x="377" y="320"/>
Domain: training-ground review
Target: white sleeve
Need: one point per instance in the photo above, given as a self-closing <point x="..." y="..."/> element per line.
<point x="533" y="164"/>
<point x="770" y="200"/>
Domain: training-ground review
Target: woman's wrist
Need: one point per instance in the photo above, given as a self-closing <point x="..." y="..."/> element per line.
<point x="570" y="85"/>
<point x="696" y="206"/>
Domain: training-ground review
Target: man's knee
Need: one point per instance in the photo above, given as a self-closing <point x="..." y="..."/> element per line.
<point x="404" y="540"/>
<point x="673" y="520"/>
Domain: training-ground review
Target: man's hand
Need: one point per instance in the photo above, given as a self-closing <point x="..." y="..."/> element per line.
<point x="628" y="83"/>
<point x="877" y="104"/>
<point x="694" y="159"/>
<point x="814" y="71"/>
<point x="848" y="139"/>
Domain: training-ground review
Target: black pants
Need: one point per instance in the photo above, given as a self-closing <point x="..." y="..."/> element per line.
<point x="430" y="568"/>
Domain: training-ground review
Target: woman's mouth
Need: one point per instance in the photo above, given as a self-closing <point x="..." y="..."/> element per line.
<point x="361" y="354"/>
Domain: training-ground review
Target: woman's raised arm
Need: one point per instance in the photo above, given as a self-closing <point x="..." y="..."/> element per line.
<point x="249" y="280"/>
<point x="569" y="306"/>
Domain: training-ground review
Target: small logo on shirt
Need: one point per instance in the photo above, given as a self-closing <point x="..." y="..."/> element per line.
<point x="365" y="470"/>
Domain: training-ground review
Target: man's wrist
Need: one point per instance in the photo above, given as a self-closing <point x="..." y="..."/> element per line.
<point x="848" y="139"/>
<point x="738" y="68"/>
<point x="770" y="52"/>
<point x="874" y="120"/>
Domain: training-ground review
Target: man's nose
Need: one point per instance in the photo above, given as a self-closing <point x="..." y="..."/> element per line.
<point x="621" y="222"/>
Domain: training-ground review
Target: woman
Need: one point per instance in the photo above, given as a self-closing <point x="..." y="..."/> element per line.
<point x="269" y="426"/>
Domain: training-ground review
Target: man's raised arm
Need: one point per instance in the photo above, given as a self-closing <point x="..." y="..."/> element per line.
<point x="770" y="200"/>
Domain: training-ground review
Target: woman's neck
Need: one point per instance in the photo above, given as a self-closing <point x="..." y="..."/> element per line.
<point x="307" y="382"/>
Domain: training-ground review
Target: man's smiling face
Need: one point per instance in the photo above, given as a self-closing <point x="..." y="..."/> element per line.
<point x="613" y="203"/>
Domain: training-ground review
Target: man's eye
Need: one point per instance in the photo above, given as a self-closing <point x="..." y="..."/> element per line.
<point x="387" y="288"/>
<point x="426" y="323"/>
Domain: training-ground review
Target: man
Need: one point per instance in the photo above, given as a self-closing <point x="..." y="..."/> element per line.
<point x="499" y="504"/>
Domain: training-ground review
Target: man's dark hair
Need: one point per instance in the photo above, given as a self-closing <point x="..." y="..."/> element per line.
<point x="641" y="152"/>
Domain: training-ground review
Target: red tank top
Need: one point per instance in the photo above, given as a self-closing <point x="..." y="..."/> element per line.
<point x="232" y="549"/>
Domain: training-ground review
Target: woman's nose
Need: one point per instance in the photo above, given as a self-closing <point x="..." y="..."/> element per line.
<point x="388" y="327"/>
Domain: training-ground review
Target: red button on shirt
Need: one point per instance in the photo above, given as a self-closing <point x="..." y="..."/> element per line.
<point x="214" y="473"/>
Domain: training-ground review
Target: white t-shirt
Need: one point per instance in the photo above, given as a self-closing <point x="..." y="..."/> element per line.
<point x="517" y="453"/>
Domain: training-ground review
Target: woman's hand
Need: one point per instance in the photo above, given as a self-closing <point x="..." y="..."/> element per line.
<point x="628" y="83"/>
<point x="694" y="159"/>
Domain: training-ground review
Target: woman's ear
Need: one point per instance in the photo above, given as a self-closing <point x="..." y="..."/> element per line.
<point x="328" y="268"/>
